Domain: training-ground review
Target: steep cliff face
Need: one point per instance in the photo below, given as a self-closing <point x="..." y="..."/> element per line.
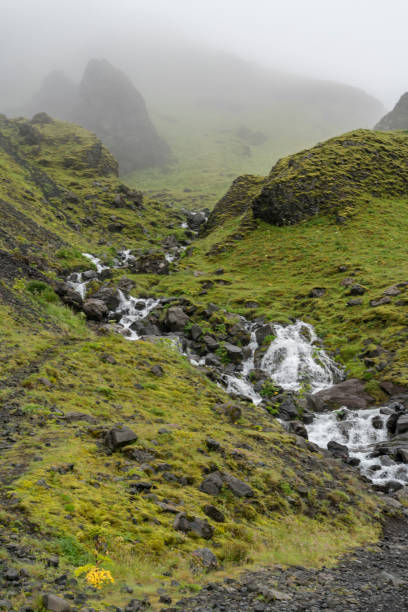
<point x="107" y="103"/>
<point x="111" y="106"/>
<point x="397" y="119"/>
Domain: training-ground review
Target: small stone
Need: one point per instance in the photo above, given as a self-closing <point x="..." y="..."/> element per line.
<point x="380" y="301"/>
<point x="200" y="527"/>
<point x="213" y="513"/>
<point x="204" y="558"/>
<point x="357" y="290"/>
<point x="56" y="604"/>
<point x="212" y="444"/>
<point x="355" y="302"/>
<point x="117" y="437"/>
<point x="52" y="562"/>
<point x="157" y="370"/>
<point x="212" y="485"/>
<point x="317" y="292"/>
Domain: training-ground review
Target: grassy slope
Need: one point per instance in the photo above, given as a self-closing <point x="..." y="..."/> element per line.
<point x="278" y="266"/>
<point x="307" y="509"/>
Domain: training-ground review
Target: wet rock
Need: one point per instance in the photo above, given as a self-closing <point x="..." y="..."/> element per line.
<point x="213" y="513"/>
<point x="117" y="437"/>
<point x="338" y="450"/>
<point x="55" y="603"/>
<point x="389" y="487"/>
<point x="186" y="524"/>
<point x="153" y="262"/>
<point x="196" y="332"/>
<point x="298" y="428"/>
<point x="350" y="394"/>
<point x="234" y="353"/>
<point x="176" y="319"/>
<point x="95" y="309"/>
<point x="109" y="296"/>
<point x="377" y="422"/>
<point x="211" y="343"/>
<point x="195" y="220"/>
<point x="401" y="424"/>
<point x="263" y="332"/>
<point x="204" y="558"/>
<point x="288" y="409"/>
<point x="401" y="455"/>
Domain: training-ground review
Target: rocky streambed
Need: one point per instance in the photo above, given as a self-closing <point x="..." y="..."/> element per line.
<point x="283" y="368"/>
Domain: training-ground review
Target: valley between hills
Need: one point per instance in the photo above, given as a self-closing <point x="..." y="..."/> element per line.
<point x="168" y="371"/>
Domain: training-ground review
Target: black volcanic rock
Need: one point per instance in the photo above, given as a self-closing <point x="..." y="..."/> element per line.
<point x="112" y="107"/>
<point x="397" y="119"/>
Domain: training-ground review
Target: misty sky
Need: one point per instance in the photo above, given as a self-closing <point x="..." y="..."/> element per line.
<point x="360" y="42"/>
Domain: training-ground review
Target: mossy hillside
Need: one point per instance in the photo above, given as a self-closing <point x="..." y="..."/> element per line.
<point x="335" y="177"/>
<point x="59" y="190"/>
<point x="306" y="509"/>
<point x="270" y="272"/>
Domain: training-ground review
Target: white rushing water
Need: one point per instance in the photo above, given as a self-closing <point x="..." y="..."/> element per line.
<point x="292" y="361"/>
<point x="131" y="310"/>
<point x="355" y="429"/>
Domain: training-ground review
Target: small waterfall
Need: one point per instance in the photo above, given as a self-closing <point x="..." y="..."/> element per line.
<point x="293" y="360"/>
<point x="75" y="280"/>
<point x="355" y="429"/>
<point x="131" y="310"/>
<point x="96" y="261"/>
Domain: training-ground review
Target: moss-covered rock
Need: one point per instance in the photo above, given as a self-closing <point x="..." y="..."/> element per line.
<point x="334" y="177"/>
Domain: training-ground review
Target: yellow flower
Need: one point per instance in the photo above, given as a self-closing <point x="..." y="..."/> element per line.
<point x="98" y="577"/>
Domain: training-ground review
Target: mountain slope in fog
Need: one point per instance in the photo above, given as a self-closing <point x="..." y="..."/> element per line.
<point x="107" y="103"/>
<point x="397" y="119"/>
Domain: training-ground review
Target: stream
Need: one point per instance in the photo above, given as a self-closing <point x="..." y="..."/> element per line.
<point x="294" y="361"/>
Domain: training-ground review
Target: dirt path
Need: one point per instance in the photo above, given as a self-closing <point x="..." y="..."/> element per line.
<point x="374" y="579"/>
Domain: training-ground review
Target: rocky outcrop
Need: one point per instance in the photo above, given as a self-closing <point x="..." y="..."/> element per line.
<point x="111" y="106"/>
<point x="334" y="177"/>
<point x="397" y="119"/>
<point x="106" y="103"/>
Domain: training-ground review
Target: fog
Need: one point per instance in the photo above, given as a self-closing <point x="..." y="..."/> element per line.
<point x="358" y="42"/>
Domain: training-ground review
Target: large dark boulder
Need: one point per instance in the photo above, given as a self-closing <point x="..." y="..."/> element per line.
<point x="199" y="526"/>
<point x="111" y="106"/>
<point x="118" y="437"/>
<point x="397" y="119"/>
<point x="349" y="393"/>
